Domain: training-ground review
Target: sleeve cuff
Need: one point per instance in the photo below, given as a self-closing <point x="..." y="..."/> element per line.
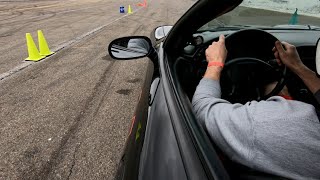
<point x="317" y="96"/>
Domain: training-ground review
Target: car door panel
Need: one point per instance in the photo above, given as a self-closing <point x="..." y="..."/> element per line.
<point x="168" y="152"/>
<point x="160" y="157"/>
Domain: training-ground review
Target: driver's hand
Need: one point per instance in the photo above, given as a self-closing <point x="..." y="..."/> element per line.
<point x="288" y="55"/>
<point x="217" y="51"/>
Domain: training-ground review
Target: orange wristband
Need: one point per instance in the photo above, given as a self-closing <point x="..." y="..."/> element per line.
<point x="215" y="63"/>
<point x="286" y="97"/>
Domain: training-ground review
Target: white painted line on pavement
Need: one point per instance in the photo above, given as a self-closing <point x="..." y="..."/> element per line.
<point x="15" y="69"/>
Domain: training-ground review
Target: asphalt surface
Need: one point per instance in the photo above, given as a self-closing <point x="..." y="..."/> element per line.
<point x="68" y="116"/>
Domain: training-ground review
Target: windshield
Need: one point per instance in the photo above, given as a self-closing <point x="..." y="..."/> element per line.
<point x="270" y="13"/>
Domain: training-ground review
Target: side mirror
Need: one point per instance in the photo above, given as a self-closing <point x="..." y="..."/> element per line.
<point x="161" y="32"/>
<point x="132" y="47"/>
<point x="318" y="58"/>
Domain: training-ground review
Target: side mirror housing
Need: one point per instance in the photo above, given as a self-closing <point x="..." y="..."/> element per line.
<point x="131" y="47"/>
<point x="318" y="58"/>
<point x="161" y="32"/>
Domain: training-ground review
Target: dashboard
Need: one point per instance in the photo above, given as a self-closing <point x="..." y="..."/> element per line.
<point x="304" y="40"/>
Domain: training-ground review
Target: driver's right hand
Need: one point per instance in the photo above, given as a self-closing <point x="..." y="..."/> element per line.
<point x="288" y="55"/>
<point x="217" y="51"/>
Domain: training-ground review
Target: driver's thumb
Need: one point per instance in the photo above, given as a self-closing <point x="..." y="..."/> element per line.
<point x="279" y="48"/>
<point x="222" y="38"/>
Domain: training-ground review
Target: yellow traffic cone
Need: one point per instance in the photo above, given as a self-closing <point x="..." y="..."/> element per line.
<point x="43" y="45"/>
<point x="33" y="52"/>
<point x="129" y="10"/>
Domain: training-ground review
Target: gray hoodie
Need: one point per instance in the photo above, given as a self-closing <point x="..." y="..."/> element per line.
<point x="276" y="136"/>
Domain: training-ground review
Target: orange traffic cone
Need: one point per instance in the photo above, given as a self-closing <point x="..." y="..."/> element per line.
<point x="33" y="52"/>
<point x="144" y="4"/>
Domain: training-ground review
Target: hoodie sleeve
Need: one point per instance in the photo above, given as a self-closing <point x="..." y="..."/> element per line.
<point x="229" y="125"/>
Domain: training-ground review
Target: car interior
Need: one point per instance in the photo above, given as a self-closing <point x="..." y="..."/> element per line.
<point x="245" y="80"/>
<point x="249" y="67"/>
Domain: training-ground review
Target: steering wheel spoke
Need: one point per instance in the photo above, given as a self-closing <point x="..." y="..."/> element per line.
<point x="244" y="79"/>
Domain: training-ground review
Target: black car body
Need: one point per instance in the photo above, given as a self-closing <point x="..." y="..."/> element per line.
<point x="166" y="141"/>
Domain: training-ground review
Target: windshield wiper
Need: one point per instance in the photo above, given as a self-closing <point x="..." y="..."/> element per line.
<point x="223" y="28"/>
<point x="296" y="27"/>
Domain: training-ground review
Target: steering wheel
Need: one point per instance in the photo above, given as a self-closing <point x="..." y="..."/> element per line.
<point x="241" y="76"/>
